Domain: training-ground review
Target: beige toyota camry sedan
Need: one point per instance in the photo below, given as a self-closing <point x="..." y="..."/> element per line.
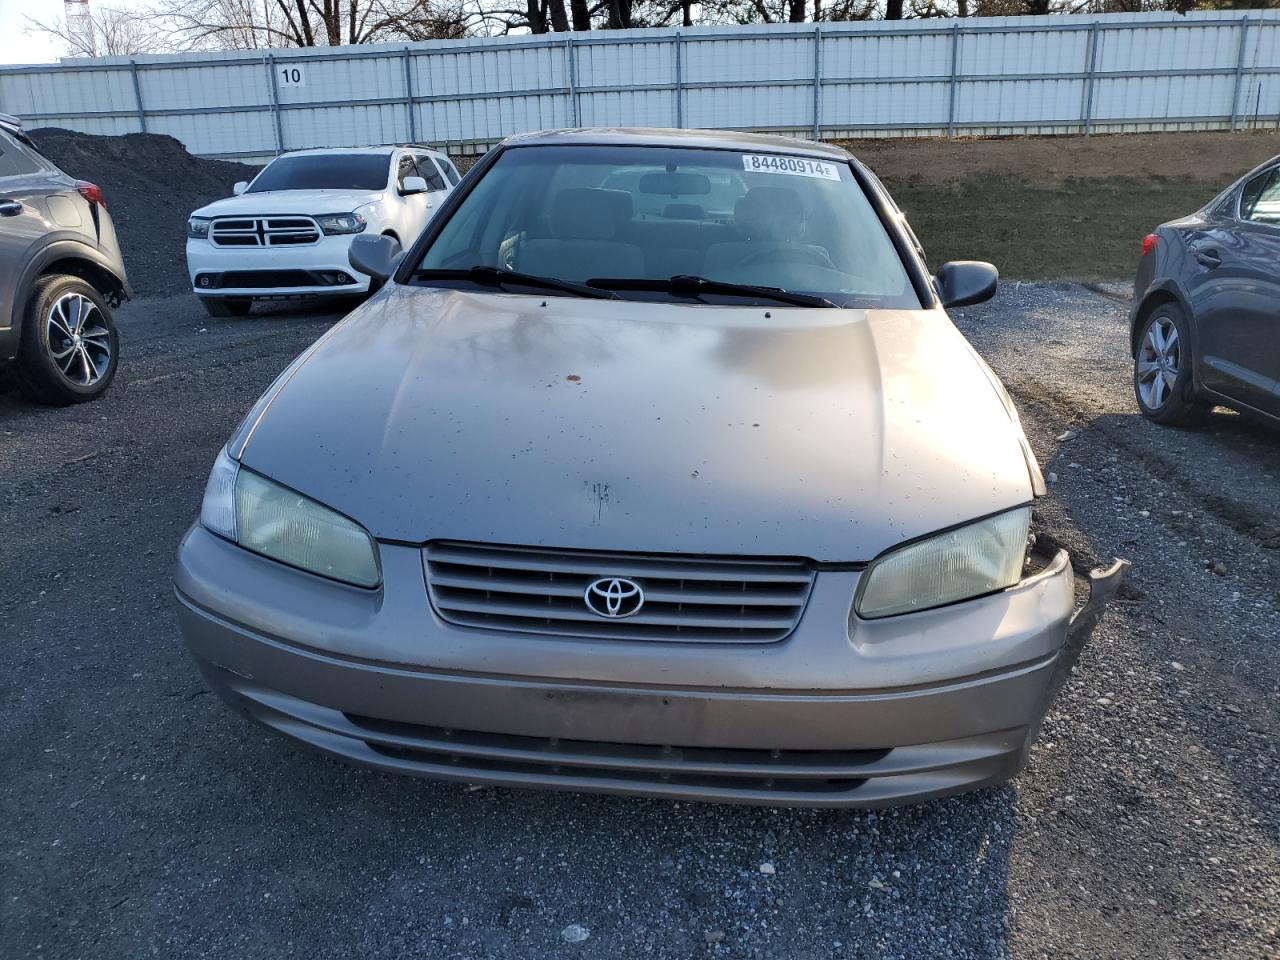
<point x="655" y="467"/>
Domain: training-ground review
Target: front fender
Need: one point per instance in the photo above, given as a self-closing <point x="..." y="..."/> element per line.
<point x="1160" y="288"/>
<point x="58" y="248"/>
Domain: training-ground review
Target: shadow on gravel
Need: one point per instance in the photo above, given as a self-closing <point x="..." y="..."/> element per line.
<point x="923" y="881"/>
<point x="1199" y="604"/>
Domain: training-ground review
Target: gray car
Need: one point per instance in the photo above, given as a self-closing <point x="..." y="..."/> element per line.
<point x="1205" y="325"/>
<point x="60" y="274"/>
<point x="678" y="483"/>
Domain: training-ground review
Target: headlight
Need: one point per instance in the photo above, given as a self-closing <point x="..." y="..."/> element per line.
<point x="198" y="227"/>
<point x="276" y="522"/>
<point x="966" y="562"/>
<point x="338" y="223"/>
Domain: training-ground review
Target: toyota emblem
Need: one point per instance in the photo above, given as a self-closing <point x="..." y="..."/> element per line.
<point x="614" y="597"/>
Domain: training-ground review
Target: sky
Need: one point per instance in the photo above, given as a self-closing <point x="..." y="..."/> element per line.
<point x="17" y="46"/>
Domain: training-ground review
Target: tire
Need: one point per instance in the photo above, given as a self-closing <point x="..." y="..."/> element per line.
<point x="70" y="347"/>
<point x="238" y="307"/>
<point x="1163" y="382"/>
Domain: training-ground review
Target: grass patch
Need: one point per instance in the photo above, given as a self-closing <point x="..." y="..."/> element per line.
<point x="1086" y="228"/>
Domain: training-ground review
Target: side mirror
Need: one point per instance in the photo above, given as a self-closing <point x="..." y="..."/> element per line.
<point x="413" y="185"/>
<point x="240" y="187"/>
<point x="375" y="256"/>
<point x="962" y="282"/>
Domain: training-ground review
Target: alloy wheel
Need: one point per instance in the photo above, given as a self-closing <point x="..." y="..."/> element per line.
<point x="79" y="340"/>
<point x="1159" y="360"/>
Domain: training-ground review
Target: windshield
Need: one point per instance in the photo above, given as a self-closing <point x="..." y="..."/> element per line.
<point x="590" y="214"/>
<point x="325" y="171"/>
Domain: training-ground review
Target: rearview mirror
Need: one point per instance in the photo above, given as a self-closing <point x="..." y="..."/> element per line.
<point x="376" y="256"/>
<point x="413" y="185"/>
<point x="676" y="184"/>
<point x="962" y="282"/>
<point x="240" y="187"/>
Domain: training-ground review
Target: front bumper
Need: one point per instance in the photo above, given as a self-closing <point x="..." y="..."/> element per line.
<point x="313" y="270"/>
<point x="819" y="719"/>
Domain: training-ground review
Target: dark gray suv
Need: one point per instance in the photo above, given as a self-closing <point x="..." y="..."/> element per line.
<point x="1205" y="324"/>
<point x="60" y="275"/>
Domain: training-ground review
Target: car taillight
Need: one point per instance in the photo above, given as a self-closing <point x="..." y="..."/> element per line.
<point x="1149" y="243"/>
<point x="91" y="192"/>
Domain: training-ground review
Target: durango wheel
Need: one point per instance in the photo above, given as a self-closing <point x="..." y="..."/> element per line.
<point x="1162" y="376"/>
<point x="69" y="343"/>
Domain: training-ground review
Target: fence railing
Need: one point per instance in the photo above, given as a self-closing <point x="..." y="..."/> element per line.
<point x="982" y="76"/>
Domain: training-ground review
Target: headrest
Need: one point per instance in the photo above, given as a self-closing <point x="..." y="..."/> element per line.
<point x="770" y="213"/>
<point x="683" y="211"/>
<point x="589" y="213"/>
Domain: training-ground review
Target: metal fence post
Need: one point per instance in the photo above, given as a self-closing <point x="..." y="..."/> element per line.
<point x="679" y="80"/>
<point x="817" y="82"/>
<point x="137" y="94"/>
<point x="1235" y="92"/>
<point x="955" y="74"/>
<point x="571" y="62"/>
<point x="408" y="95"/>
<point x="1086" y="96"/>
<point x="270" y="62"/>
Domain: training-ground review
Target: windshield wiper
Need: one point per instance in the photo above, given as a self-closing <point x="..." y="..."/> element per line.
<point x="500" y="276"/>
<point x="693" y="286"/>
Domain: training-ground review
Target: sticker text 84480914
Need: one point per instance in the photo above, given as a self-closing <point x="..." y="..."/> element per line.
<point x="792" y="166"/>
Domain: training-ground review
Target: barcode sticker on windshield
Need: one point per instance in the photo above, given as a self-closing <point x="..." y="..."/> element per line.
<point x="792" y="166"/>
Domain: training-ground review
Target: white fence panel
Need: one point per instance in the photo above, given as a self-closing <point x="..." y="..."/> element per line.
<point x="1002" y="75"/>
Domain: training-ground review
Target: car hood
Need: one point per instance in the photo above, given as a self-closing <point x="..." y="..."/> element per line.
<point x="288" y="202"/>
<point x="619" y="425"/>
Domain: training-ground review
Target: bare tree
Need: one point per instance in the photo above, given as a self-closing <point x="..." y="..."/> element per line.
<point x="247" y="25"/>
<point x="116" y="33"/>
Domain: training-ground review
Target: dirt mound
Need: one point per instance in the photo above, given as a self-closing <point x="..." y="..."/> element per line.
<point x="151" y="184"/>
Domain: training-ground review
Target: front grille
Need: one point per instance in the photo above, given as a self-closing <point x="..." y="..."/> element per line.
<point x="265" y="279"/>
<point x="686" y="599"/>
<point x="808" y="771"/>
<point x="264" y="232"/>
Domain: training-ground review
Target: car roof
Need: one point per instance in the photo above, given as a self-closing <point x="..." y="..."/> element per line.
<point x="385" y="150"/>
<point x="657" y="137"/>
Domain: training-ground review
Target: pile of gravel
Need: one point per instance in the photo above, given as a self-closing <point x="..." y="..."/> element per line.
<point x="151" y="184"/>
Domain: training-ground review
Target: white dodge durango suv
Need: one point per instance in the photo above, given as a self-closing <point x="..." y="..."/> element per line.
<point x="286" y="233"/>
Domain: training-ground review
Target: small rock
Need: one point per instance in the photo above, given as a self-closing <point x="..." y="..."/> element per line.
<point x="1231" y="708"/>
<point x="1177" y="666"/>
<point x="1104" y="701"/>
<point x="767" y="869"/>
<point x="713" y="936"/>
<point x="1220" y="568"/>
<point x="1066" y="435"/>
<point x="574" y="933"/>
<point x="875" y="884"/>
<point x="1053" y="477"/>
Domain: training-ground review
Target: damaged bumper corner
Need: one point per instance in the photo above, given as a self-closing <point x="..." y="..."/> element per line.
<point x="1103" y="584"/>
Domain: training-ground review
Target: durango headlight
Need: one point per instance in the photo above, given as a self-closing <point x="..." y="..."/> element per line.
<point x="198" y="227"/>
<point x="334" y="224"/>
<point x="277" y="522"/>
<point x="967" y="562"/>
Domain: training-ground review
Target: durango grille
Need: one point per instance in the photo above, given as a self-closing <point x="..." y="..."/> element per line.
<point x="686" y="599"/>
<point x="264" y="232"/>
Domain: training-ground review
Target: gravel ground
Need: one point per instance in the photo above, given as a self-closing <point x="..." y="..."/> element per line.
<point x="142" y="819"/>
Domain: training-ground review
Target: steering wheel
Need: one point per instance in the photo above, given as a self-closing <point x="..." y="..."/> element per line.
<point x="801" y="254"/>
